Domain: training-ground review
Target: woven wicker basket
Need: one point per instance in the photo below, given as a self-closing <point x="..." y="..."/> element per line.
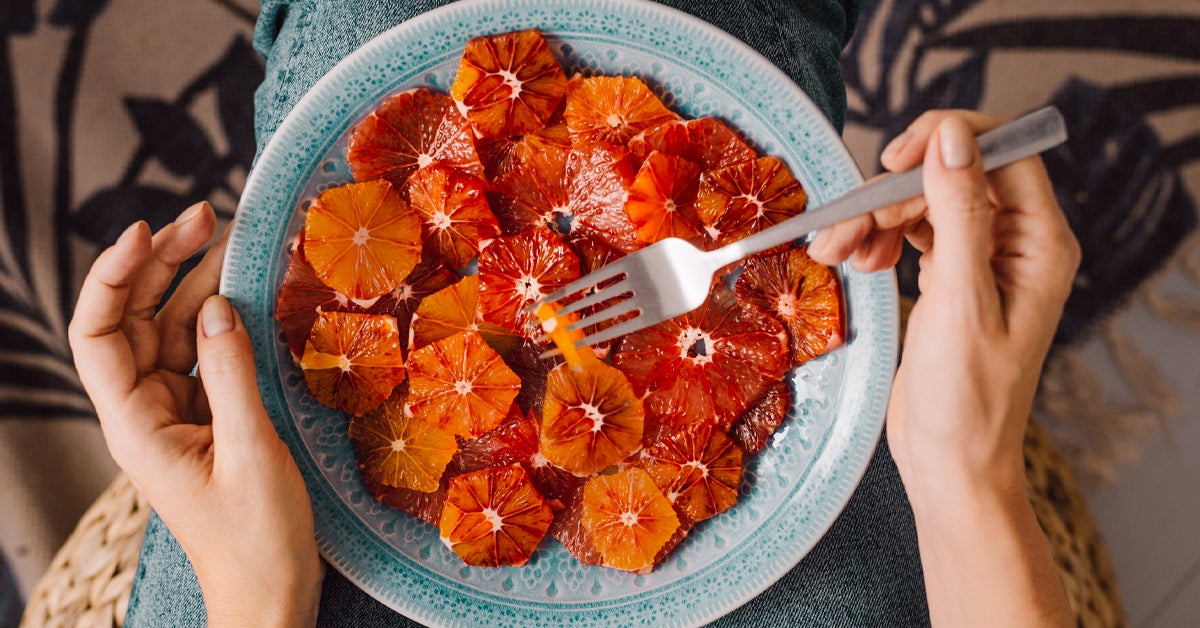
<point x="88" y="582"/>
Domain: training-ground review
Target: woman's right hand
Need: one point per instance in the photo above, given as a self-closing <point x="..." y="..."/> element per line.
<point x="996" y="267"/>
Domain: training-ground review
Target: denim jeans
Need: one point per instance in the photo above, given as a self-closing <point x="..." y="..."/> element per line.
<point x="864" y="572"/>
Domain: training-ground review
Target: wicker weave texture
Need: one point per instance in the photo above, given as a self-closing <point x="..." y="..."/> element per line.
<point x="89" y="581"/>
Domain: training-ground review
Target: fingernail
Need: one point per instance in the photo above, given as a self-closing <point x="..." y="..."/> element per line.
<point x="216" y="317"/>
<point x="128" y="233"/>
<point x="957" y="144"/>
<point x="190" y="213"/>
<point x="895" y="146"/>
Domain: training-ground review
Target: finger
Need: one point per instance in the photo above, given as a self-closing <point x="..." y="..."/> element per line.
<point x="920" y="236"/>
<point x="102" y="353"/>
<point x="960" y="210"/>
<point x="177" y="319"/>
<point x="172" y="245"/>
<point x="836" y="243"/>
<point x="878" y="250"/>
<point x="226" y="359"/>
<point x="908" y="149"/>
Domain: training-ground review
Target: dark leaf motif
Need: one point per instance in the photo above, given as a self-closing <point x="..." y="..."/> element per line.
<point x="1159" y="94"/>
<point x="172" y="135"/>
<point x="901" y="20"/>
<point x="17" y="17"/>
<point x="959" y="87"/>
<point x="1177" y="37"/>
<point x="76" y="13"/>
<point x="1128" y="208"/>
<point x="102" y="218"/>
<point x="946" y="11"/>
<point x="237" y="75"/>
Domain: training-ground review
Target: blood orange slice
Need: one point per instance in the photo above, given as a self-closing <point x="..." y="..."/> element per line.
<point x="398" y="451"/>
<point x="428" y="277"/>
<point x="802" y="293"/>
<point x="424" y="506"/>
<point x="353" y="361"/>
<point x="460" y="385"/>
<point x="494" y="517"/>
<point x="302" y="295"/>
<point x="455" y="211"/>
<point x="411" y="130"/>
<point x="628" y="518"/>
<point x="568" y="529"/>
<point x="754" y="428"/>
<point x="456" y="309"/>
<point x="508" y="84"/>
<point x="698" y="468"/>
<point x="532" y="190"/>
<point x="591" y="418"/>
<point x="515" y="441"/>
<point x="598" y="177"/>
<point x="706" y="142"/>
<point x="517" y="270"/>
<point x="747" y="197"/>
<point x="501" y="155"/>
<point x="708" y="365"/>
<point x="612" y="109"/>
<point x="662" y="199"/>
<point x="362" y="239"/>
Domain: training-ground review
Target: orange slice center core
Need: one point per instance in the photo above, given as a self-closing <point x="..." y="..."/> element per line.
<point x="398" y="444"/>
<point x="344" y="363"/>
<point x="592" y="413"/>
<point x="494" y="518"/>
<point x="629" y="518"/>
<point x="462" y="387"/>
<point x="362" y="236"/>
<point x="613" y="120"/>
<point x="424" y="159"/>
<point x="695" y="345"/>
<point x="513" y="83"/>
<point x="529" y="288"/>
<point x="440" y="221"/>
<point x="786" y="305"/>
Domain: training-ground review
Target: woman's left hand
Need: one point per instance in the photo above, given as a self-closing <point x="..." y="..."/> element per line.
<point x="201" y="449"/>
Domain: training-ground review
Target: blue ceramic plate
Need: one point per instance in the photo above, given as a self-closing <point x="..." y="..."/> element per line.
<point x="792" y="491"/>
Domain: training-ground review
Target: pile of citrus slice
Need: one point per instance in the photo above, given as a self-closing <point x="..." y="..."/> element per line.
<point x="406" y="303"/>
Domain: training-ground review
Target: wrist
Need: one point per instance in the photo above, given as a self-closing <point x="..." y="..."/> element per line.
<point x="288" y="598"/>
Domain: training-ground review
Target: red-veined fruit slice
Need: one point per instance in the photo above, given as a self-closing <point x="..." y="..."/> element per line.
<point x="533" y="370"/>
<point x="628" y="518"/>
<point x="752" y="431"/>
<point x="568" y="529"/>
<point x="557" y="484"/>
<point x="424" y="506"/>
<point x="802" y="293"/>
<point x="591" y="418"/>
<point x="662" y="199"/>
<point x="612" y="109"/>
<point x="362" y="239"/>
<point x="411" y="130"/>
<point x="598" y="177"/>
<point x="494" y="517"/>
<point x="698" y="468"/>
<point x="593" y="253"/>
<point x="398" y="451"/>
<point x="353" y="361"/>
<point x="455" y="211"/>
<point x="508" y="84"/>
<point x="708" y="365"/>
<point x="532" y="189"/>
<point x="455" y="309"/>
<point x="501" y="155"/>
<point x="515" y="441"/>
<point x="706" y="142"/>
<point x="302" y="295"/>
<point x="517" y="270"/>
<point x="747" y="197"/>
<point x="428" y="277"/>
<point x="461" y="385"/>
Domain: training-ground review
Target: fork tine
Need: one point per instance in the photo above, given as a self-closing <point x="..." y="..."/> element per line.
<point x="583" y="283"/>
<point x="608" y="313"/>
<point x="615" y="290"/>
<point x="615" y="331"/>
<point x="551" y="353"/>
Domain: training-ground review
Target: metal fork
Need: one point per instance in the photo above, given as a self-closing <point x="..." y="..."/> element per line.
<point x="671" y="277"/>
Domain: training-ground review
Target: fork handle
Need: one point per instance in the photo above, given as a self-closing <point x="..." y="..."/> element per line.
<point x="1028" y="135"/>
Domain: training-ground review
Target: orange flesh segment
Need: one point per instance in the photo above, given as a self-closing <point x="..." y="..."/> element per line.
<point x="362" y="239"/>
<point x="508" y="84"/>
<point x="398" y="451"/>
<point x="494" y="517"/>
<point x="353" y="361"/>
<point x="628" y="518"/>
<point x="461" y="385"/>
<point x="556" y="328"/>
<point x="591" y="418"/>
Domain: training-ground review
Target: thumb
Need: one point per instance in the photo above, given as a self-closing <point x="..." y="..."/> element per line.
<point x="226" y="364"/>
<point x="960" y="211"/>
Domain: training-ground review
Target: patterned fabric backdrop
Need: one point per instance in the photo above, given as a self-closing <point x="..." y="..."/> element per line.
<point x="132" y="109"/>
